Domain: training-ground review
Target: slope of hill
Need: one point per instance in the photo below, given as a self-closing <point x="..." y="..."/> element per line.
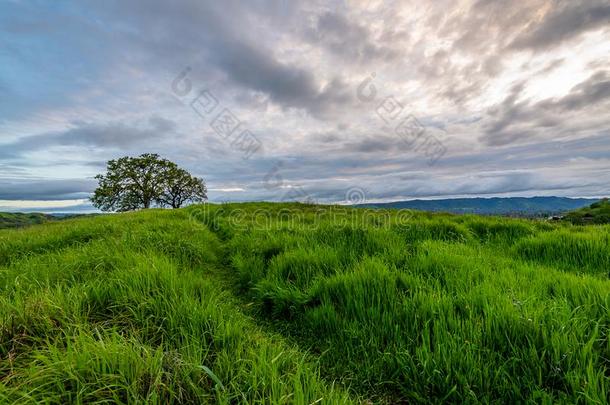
<point x="519" y="206"/>
<point x="16" y="220"/>
<point x="289" y="303"/>
<point x="596" y="213"/>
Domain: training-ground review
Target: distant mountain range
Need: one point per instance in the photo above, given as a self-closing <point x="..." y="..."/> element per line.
<point x="517" y="206"/>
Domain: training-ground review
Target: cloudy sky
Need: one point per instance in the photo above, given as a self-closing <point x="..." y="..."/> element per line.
<point x="324" y="100"/>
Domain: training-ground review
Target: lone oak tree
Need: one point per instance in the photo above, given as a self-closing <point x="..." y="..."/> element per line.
<point x="132" y="183"/>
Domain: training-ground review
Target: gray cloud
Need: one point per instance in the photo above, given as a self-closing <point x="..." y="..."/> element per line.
<point x="45" y="189"/>
<point x="373" y="145"/>
<point x="115" y="135"/>
<point x="565" y="20"/>
<point x="490" y="32"/>
<point x="213" y="36"/>
<point x="288" y="86"/>
<point x="400" y="185"/>
<point x="593" y="91"/>
<point x="514" y="120"/>
<point x="351" y="40"/>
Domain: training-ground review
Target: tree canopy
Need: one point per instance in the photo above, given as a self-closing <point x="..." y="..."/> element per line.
<point x="132" y="183"/>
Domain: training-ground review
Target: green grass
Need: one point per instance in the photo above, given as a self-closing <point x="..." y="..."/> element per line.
<point x="597" y="213"/>
<point x="292" y="303"/>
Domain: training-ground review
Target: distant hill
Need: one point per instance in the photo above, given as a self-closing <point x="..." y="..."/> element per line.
<point x="596" y="213"/>
<point x="514" y="206"/>
<point x="16" y="220"/>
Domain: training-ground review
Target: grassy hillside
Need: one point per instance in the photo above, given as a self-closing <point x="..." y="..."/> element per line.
<point x="15" y="220"/>
<point x="596" y="213"/>
<point x="269" y="303"/>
